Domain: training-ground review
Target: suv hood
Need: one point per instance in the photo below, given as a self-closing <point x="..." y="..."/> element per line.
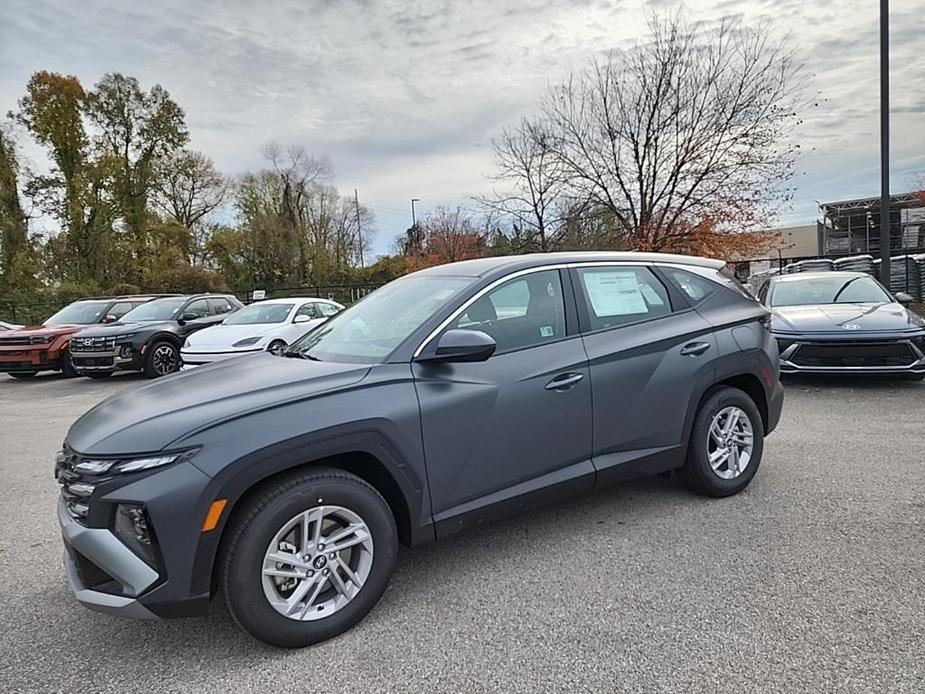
<point x="155" y="415"/>
<point x="836" y="318"/>
<point x="42" y="331"/>
<point x="119" y="328"/>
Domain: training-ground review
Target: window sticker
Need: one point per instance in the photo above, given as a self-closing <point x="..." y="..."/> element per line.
<point x="614" y="293"/>
<point x="546" y="331"/>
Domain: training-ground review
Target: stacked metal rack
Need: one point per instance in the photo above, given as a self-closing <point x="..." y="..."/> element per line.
<point x="856" y="263"/>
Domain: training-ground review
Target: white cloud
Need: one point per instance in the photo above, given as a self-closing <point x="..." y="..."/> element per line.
<point x="405" y="96"/>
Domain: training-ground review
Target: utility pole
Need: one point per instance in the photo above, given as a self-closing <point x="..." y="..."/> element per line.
<point x="413" y="221"/>
<point x="885" y="142"/>
<point x="356" y="200"/>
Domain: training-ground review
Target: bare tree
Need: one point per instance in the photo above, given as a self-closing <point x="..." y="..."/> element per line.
<point x="533" y="183"/>
<point x="690" y="127"/>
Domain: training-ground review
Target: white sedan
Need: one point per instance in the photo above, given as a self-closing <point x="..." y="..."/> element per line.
<point x="269" y="325"/>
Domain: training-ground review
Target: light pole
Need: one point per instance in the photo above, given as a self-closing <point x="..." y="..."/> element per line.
<point x="413" y="221"/>
<point x="885" y="142"/>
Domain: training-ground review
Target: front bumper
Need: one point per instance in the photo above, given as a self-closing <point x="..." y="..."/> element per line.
<point x="106" y="575"/>
<point x="15" y="358"/>
<point x="102" y="548"/>
<point x="873" y="355"/>
<point x="86" y="361"/>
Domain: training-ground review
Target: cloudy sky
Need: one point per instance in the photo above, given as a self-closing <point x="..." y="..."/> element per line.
<point x="405" y="96"/>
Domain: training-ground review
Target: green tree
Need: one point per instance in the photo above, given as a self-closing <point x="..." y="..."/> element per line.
<point x="17" y="259"/>
<point x="136" y="131"/>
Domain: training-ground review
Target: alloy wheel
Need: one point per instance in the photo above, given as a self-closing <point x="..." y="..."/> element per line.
<point x="730" y="443"/>
<point x="317" y="563"/>
<point x="165" y="359"/>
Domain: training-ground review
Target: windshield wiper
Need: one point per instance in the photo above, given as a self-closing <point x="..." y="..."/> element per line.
<point x="295" y="354"/>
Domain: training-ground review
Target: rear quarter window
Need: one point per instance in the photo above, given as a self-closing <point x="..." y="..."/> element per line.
<point x="695" y="288"/>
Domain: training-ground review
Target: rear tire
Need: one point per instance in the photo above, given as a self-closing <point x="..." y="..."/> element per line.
<point x="23" y="374"/>
<point x="271" y="522"/>
<point x="728" y="475"/>
<point x="161" y="359"/>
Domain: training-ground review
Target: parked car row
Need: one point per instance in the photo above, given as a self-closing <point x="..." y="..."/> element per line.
<point x="156" y="334"/>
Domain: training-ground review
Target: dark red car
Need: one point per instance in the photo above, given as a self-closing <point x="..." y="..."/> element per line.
<point x="34" y="348"/>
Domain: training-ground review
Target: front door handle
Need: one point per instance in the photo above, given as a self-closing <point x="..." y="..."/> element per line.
<point x="695" y="349"/>
<point x="564" y="382"/>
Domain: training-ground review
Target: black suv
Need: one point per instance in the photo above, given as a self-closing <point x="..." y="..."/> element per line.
<point x="149" y="337"/>
<point x="446" y="398"/>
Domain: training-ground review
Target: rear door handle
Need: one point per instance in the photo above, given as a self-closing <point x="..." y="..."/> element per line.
<point x="695" y="349"/>
<point x="564" y="382"/>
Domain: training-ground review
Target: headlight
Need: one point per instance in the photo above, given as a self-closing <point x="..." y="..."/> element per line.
<point x="39" y="340"/>
<point x="97" y="467"/>
<point x="131" y="525"/>
<point x="247" y="341"/>
<point x="126" y="336"/>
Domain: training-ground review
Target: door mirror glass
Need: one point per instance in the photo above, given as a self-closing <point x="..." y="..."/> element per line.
<point x="903" y="298"/>
<point x="462" y="346"/>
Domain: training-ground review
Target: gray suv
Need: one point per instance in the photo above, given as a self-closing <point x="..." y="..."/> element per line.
<point x="447" y="398"/>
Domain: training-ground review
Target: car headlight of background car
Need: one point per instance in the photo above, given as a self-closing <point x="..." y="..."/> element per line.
<point x="39" y="340"/>
<point x="247" y="341"/>
<point x="126" y="336"/>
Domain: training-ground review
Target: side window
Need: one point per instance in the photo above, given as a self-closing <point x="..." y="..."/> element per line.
<point x="120" y="309"/>
<point x="307" y="310"/>
<point x="200" y="307"/>
<point x="619" y="295"/>
<point x="220" y="305"/>
<point x="696" y="288"/>
<point x="327" y="309"/>
<point x="523" y="312"/>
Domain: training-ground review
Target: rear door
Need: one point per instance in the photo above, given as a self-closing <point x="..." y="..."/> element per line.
<point x="649" y="353"/>
<point x="516" y="427"/>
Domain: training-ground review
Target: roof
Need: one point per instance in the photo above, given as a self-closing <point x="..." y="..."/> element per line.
<point x="817" y="275"/>
<point x="483" y="266"/>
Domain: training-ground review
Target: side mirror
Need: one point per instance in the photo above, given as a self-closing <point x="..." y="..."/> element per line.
<point x="903" y="298"/>
<point x="302" y="319"/>
<point x="189" y="316"/>
<point x="109" y="318"/>
<point x="462" y="346"/>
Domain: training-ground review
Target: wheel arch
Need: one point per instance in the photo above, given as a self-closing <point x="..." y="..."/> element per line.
<point x="750" y="384"/>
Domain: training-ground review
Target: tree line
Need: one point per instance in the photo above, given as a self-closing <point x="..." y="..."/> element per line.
<point x="678" y="143"/>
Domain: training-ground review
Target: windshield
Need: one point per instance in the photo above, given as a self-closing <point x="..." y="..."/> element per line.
<point x="828" y="290"/>
<point x="160" y="309"/>
<point x="260" y="313"/>
<point x="368" y="331"/>
<point x="79" y="313"/>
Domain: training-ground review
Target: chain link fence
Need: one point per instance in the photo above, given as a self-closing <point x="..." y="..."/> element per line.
<point x="34" y="313"/>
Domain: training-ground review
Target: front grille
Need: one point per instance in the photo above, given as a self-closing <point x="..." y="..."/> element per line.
<point x="93" y="361"/>
<point x="93" y="344"/>
<point x="848" y="354"/>
<point x="15" y="341"/>
<point x="76" y="487"/>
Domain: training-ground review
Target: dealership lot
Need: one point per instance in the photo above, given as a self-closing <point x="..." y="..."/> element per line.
<point x="813" y="579"/>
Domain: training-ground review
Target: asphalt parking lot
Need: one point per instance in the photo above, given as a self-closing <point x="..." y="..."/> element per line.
<point x="812" y="580"/>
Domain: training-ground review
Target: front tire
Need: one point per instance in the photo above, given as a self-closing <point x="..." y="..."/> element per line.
<point x="162" y="359"/>
<point x="67" y="366"/>
<point x="306" y="558"/>
<point x="726" y="444"/>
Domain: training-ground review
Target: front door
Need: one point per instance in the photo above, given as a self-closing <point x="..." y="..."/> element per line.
<point x="517" y="427"/>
